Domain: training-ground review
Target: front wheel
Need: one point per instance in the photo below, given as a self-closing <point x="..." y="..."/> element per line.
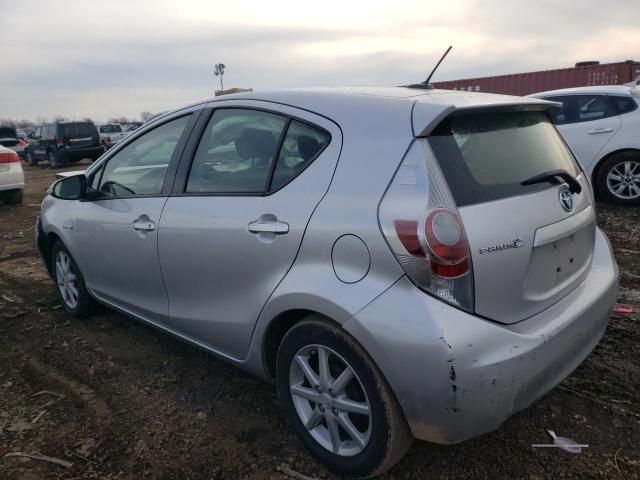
<point x="618" y="179"/>
<point x="69" y="283"/>
<point x="338" y="402"/>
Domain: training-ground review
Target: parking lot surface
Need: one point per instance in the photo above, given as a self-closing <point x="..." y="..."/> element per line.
<point x="115" y="399"/>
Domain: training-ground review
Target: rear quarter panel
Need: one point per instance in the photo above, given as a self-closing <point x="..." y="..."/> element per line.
<point x="374" y="142"/>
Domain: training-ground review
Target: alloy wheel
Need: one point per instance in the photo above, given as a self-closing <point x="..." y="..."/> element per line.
<point x="623" y="180"/>
<point x="66" y="278"/>
<point x="330" y="400"/>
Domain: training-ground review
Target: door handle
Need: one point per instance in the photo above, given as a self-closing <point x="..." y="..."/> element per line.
<point x="144" y="225"/>
<point x="600" y="130"/>
<point x="277" y="227"/>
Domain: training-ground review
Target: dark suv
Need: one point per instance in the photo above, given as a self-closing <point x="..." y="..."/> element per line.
<point x="64" y="142"/>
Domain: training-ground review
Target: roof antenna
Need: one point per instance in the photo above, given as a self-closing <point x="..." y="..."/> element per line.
<point x="426" y="83"/>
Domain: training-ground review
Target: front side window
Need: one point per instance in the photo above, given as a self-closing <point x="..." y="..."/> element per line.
<point x="236" y="152"/>
<point x="140" y="167"/>
<point x="568" y="113"/>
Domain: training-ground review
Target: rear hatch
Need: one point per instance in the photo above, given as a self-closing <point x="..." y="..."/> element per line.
<point x="531" y="244"/>
<point x="79" y="134"/>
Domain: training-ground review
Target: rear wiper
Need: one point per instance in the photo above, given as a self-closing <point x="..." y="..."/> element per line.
<point x="552" y="176"/>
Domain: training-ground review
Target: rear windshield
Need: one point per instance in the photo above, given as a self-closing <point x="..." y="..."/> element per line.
<point x="486" y="156"/>
<point x="110" y="129"/>
<point x="78" y="130"/>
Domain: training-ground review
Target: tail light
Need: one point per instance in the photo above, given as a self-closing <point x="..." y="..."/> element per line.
<point x="22" y="143"/>
<point x="420" y="221"/>
<point x="59" y="141"/>
<point x="9" y="157"/>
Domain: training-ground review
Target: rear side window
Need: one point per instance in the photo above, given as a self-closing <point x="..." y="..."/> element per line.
<point x="301" y="146"/>
<point x="78" y="130"/>
<point x="594" y="107"/>
<point x="486" y="156"/>
<point x="624" y="104"/>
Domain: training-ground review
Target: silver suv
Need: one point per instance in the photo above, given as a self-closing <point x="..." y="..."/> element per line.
<point x="402" y="263"/>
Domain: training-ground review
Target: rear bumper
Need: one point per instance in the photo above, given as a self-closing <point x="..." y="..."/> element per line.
<point x="80" y="153"/>
<point x="12" y="178"/>
<point x="457" y="376"/>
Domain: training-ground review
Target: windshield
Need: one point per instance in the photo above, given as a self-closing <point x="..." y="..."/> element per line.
<point x="110" y="129"/>
<point x="487" y="156"/>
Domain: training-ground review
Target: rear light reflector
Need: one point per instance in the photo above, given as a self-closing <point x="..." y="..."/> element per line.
<point x="9" y="157"/>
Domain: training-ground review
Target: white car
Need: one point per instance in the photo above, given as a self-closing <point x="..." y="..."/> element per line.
<point x="11" y="176"/>
<point x="601" y="125"/>
<point x="111" y="133"/>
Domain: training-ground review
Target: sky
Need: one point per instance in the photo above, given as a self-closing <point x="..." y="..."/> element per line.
<point x="109" y="58"/>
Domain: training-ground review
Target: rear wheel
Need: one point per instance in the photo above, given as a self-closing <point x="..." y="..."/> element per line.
<point x="618" y="179"/>
<point x="338" y="402"/>
<point x="31" y="159"/>
<point x="70" y="283"/>
<point x="55" y="161"/>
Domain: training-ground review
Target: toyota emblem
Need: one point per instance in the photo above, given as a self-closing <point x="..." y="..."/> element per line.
<point x="566" y="200"/>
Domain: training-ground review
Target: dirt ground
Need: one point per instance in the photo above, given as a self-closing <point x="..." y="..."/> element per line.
<point x="119" y="400"/>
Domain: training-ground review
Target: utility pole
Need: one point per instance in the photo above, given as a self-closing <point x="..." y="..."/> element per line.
<point x="219" y="70"/>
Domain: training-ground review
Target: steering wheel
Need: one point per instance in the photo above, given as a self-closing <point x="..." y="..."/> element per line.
<point x="110" y="184"/>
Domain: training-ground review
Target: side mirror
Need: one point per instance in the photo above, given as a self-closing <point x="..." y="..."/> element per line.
<point x="69" y="188"/>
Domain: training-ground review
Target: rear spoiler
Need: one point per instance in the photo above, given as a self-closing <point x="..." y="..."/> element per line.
<point x="427" y="114"/>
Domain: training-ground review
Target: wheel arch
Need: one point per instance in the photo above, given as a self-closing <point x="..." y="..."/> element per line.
<point x="603" y="159"/>
<point x="48" y="241"/>
<point x="277" y="329"/>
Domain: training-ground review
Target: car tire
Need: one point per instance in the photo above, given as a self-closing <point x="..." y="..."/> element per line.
<point x="381" y="437"/>
<point x="54" y="160"/>
<point x="618" y="179"/>
<point x="31" y="160"/>
<point x="69" y="283"/>
<point x="14" y="197"/>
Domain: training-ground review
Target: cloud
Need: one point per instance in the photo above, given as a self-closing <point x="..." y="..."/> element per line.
<point x="117" y="58"/>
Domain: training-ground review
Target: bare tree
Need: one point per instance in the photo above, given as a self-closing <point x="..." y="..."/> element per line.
<point x="144" y="116"/>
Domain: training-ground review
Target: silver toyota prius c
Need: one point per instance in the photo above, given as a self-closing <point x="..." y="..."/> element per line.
<point x="402" y="263"/>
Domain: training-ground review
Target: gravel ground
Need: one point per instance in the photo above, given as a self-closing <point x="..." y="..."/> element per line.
<point x="119" y="400"/>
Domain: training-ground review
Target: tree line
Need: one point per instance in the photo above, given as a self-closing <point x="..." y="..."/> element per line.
<point x="24" y="123"/>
